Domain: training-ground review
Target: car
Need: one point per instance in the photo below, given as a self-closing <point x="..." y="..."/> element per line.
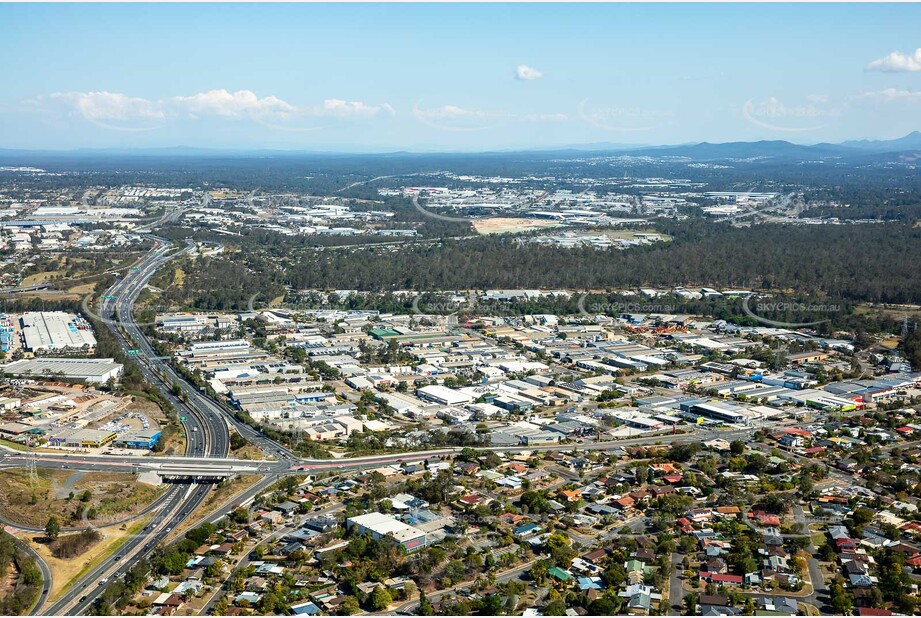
<point x="103" y="581"/>
<point x="82" y="599"/>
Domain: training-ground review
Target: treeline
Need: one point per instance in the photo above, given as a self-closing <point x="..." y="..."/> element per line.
<point x="911" y="347"/>
<point x="19" y="599"/>
<point x="217" y="284"/>
<point x="873" y="263"/>
<point x="72" y="545"/>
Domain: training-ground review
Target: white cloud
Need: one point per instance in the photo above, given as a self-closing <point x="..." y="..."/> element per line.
<point x="897" y="62"/>
<point x="229" y="104"/>
<point x="525" y="73"/>
<point x="109" y="110"/>
<point x="889" y="95"/>
<point x="121" y="112"/>
<point x="453" y="112"/>
<point x="342" y="108"/>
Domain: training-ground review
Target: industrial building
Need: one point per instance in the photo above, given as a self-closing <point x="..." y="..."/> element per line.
<point x="88" y="370"/>
<point x="443" y="395"/>
<point x="144" y="439"/>
<point x="47" y="331"/>
<point x="378" y="526"/>
<point x="82" y="438"/>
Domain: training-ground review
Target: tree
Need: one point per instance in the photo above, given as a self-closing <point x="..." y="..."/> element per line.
<point x="380" y="599"/>
<point x="268" y="603"/>
<point x="690" y="602"/>
<point x="349" y="606"/>
<point x="736" y="447"/>
<point x="642" y="472"/>
<point x="425" y="607"/>
<point x="52" y="528"/>
<point x="603" y="606"/>
<point x="841" y="601"/>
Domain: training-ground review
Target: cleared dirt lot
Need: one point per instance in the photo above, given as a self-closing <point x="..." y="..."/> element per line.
<point x="509" y="225"/>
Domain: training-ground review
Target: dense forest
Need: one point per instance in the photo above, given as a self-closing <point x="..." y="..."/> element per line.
<point x="911" y="347"/>
<point x="874" y="263"/>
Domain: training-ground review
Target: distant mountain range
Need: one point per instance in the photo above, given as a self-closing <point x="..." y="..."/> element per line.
<point x="777" y="150"/>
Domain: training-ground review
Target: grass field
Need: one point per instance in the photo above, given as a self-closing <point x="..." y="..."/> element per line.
<point x="40" y="277"/>
<point x="896" y="312"/>
<point x="83" y="289"/>
<point x="16" y="446"/>
<point x="66" y="572"/>
<point x="249" y="452"/>
<point x="114" y="495"/>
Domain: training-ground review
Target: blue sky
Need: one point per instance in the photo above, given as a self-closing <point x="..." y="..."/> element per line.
<point x="367" y="77"/>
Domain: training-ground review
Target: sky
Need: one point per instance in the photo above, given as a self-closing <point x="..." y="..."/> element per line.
<point x="454" y="77"/>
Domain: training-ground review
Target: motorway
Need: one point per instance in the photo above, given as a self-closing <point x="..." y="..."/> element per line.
<point x="179" y="500"/>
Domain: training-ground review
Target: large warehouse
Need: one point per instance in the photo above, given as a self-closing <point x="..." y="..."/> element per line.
<point x="44" y="331"/>
<point x="443" y="395"/>
<point x="88" y="370"/>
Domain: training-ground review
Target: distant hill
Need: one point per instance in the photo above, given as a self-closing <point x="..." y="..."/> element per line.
<point x="783" y="150"/>
<point x="912" y="141"/>
<point x="774" y="150"/>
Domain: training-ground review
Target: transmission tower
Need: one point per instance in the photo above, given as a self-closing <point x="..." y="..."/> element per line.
<point x="33" y="470"/>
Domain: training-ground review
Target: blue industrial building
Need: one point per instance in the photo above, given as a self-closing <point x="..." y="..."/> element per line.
<point x="145" y="439"/>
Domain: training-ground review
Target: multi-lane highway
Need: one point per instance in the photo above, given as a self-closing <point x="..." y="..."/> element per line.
<point x="205" y="438"/>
